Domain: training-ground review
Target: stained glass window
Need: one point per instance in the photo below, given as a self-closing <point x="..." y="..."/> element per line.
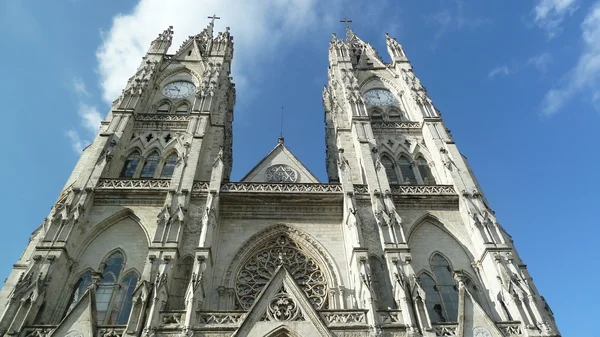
<point x="130" y="165"/>
<point x="150" y="165"/>
<point x="169" y="166"/>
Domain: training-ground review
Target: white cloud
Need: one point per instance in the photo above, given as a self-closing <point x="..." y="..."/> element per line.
<point x="549" y="14"/>
<point x="499" y="71"/>
<point x="79" y="87"/>
<point x="76" y="143"/>
<point x="455" y="19"/>
<point x="584" y="77"/>
<point x="90" y="117"/>
<point x="259" y="28"/>
<point x="540" y="62"/>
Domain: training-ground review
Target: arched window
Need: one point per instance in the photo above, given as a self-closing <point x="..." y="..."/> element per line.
<point x="406" y="169"/>
<point x="81" y="286"/>
<point x="396" y="115"/>
<point x="123" y="300"/>
<point x="150" y="165"/>
<point x="182" y="109"/>
<point x="163" y="108"/>
<point x="114" y="293"/>
<point x="130" y="165"/>
<point x="169" y="166"/>
<point x="443" y="291"/>
<point x="432" y="298"/>
<point x="376" y="115"/>
<point x="181" y="278"/>
<point x="108" y="286"/>
<point x="425" y="171"/>
<point x="390" y="171"/>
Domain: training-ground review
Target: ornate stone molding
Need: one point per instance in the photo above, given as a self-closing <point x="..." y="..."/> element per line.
<point x="220" y="318"/>
<point x="396" y="125"/>
<point x="510" y="328"/>
<point x="307" y="244"/>
<point x="133" y="184"/>
<point x="390" y="316"/>
<point x="283" y="308"/>
<point x="344" y="317"/>
<point x="445" y="329"/>
<point x="423" y="190"/>
<point x="280" y="188"/>
<point x="161" y="122"/>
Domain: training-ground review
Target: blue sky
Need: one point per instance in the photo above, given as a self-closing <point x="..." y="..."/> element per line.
<point x="517" y="82"/>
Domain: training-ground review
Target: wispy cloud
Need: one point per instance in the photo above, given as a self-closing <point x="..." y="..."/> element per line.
<point x="454" y="19"/>
<point x="89" y="118"/>
<point x="549" y="14"/>
<point x="76" y="143"/>
<point x="584" y="77"/>
<point x="79" y="87"/>
<point x="499" y="71"/>
<point x="540" y="62"/>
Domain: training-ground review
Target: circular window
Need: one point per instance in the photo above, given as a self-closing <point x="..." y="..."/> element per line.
<point x="281" y="174"/>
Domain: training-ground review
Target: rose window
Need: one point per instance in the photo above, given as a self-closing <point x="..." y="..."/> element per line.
<point x="259" y="269"/>
<point x="281" y="174"/>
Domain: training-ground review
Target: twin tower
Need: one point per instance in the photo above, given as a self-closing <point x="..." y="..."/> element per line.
<point x="149" y="237"/>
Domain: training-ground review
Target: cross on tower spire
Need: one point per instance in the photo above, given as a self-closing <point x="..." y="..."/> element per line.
<point x="346" y="21"/>
<point x="213" y="18"/>
<point x="349" y="32"/>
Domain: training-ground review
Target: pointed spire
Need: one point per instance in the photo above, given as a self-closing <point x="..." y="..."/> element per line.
<point x="394" y="48"/>
<point x="350" y="36"/>
<point x="162" y="43"/>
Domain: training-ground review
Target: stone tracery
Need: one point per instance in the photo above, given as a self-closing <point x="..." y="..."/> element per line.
<point x="259" y="268"/>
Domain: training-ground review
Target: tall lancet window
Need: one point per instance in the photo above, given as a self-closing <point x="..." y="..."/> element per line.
<point x="181" y="278"/>
<point x="81" y="286"/>
<point x="441" y="291"/>
<point x="163" y="108"/>
<point x="150" y="165"/>
<point x="406" y="169"/>
<point x="169" y="166"/>
<point x="425" y="171"/>
<point x="130" y="165"/>
<point x="123" y="299"/>
<point x="390" y="171"/>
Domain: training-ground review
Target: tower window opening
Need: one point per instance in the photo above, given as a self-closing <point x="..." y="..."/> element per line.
<point x="169" y="166"/>
<point x="406" y="170"/>
<point x="441" y="291"/>
<point x="182" y="109"/>
<point x="130" y="165"/>
<point x="425" y="171"/>
<point x="163" y="108"/>
<point x="150" y="165"/>
<point x="190" y="52"/>
<point x="390" y="170"/>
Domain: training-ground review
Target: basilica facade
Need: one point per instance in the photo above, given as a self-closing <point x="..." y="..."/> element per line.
<point x="149" y="237"/>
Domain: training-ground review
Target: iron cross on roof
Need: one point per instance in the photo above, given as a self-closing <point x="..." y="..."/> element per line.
<point x="213" y="18"/>
<point x="346" y="21"/>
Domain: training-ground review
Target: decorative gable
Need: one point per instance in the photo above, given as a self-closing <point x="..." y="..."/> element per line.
<point x="282" y="306"/>
<point x="280" y="166"/>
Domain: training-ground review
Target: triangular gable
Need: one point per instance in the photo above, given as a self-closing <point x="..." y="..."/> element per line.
<point x="476" y="319"/>
<point x="190" y="51"/>
<point x="282" y="305"/>
<point x="280" y="155"/>
<point x="81" y="320"/>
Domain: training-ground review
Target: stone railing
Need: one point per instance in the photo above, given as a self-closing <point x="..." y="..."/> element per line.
<point x="111" y="330"/>
<point x="396" y="125"/>
<point x="46" y="330"/>
<point x="445" y="329"/>
<point x="510" y="328"/>
<point x="172" y="318"/>
<point x="422" y="190"/>
<point x="390" y="316"/>
<point x="161" y="122"/>
<point x="281" y="188"/>
<point x="133" y="184"/>
<point x="344" y="317"/>
<point x="221" y="318"/>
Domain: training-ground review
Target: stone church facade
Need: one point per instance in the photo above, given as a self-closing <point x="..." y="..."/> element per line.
<point x="149" y="237"/>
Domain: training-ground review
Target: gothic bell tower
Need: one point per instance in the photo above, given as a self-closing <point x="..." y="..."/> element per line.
<point x="420" y="235"/>
<point x="124" y="222"/>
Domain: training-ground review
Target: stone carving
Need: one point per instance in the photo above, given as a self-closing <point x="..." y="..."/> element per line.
<point x="219" y="318"/>
<point x="510" y="329"/>
<point x="281" y="250"/>
<point x="445" y="329"/>
<point x="480" y="331"/>
<point x="143" y="184"/>
<point x="424" y="189"/>
<point x="396" y="125"/>
<point x="344" y="317"/>
<point x="111" y="332"/>
<point x="39" y="332"/>
<point x="283" y="308"/>
<point x="289" y="188"/>
<point x="390" y="317"/>
<point x="281" y="174"/>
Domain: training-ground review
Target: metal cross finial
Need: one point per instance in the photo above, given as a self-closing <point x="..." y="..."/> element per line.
<point x="346" y="21"/>
<point x="213" y="18"/>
